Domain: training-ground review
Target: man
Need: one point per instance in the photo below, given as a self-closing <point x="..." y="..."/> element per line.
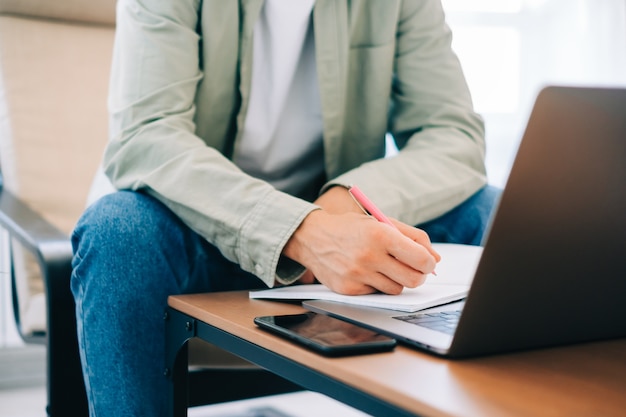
<point x="236" y="128"/>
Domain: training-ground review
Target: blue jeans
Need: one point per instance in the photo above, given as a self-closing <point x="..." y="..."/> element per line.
<point x="130" y="254"/>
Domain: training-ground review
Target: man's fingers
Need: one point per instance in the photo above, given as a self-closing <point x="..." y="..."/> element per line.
<point x="375" y="283"/>
<point x="419" y="236"/>
<point x="403" y="274"/>
<point x="412" y="255"/>
<point x="386" y="285"/>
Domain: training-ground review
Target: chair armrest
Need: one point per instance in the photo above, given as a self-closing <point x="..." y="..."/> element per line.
<point x="49" y="244"/>
<point x="53" y="251"/>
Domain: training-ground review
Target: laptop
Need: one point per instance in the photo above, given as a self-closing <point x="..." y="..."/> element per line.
<point x="553" y="267"/>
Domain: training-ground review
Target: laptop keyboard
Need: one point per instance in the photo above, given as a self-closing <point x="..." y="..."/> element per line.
<point x="443" y="321"/>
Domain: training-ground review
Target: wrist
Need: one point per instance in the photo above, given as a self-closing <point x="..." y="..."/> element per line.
<point x="337" y="200"/>
<point x="295" y="247"/>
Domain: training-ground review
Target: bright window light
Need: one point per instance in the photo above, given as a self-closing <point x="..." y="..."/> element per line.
<point x="493" y="69"/>
<point x="487" y="6"/>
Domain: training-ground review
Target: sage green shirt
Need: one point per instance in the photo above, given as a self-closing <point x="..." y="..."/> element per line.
<point x="179" y="92"/>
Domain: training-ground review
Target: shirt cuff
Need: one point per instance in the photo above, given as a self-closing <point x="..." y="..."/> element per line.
<point x="288" y="271"/>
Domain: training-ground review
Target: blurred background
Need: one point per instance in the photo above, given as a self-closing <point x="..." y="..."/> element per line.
<point x="510" y="49"/>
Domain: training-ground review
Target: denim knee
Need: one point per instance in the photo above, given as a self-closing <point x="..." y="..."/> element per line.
<point x="120" y="223"/>
<point x="125" y="235"/>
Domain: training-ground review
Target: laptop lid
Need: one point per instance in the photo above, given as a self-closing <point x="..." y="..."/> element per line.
<point x="553" y="270"/>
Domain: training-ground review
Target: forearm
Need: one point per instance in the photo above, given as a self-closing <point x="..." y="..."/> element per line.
<point x="434" y="173"/>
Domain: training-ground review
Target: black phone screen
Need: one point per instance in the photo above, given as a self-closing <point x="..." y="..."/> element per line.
<point x="326" y="334"/>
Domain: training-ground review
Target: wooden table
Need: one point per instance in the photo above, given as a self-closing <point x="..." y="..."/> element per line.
<point x="579" y="380"/>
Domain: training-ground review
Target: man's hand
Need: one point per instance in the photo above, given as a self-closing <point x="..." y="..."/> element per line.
<point x="352" y="253"/>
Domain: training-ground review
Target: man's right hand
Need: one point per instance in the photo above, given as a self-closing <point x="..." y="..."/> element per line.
<point x="352" y="253"/>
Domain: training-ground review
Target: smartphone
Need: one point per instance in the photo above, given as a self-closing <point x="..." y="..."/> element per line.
<point x="326" y="335"/>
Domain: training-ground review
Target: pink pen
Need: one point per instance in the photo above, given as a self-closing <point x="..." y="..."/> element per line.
<point x="370" y="208"/>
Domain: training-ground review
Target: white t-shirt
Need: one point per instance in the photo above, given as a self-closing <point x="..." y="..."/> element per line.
<point x="282" y="137"/>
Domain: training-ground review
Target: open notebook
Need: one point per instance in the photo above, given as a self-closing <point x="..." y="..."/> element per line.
<point x="454" y="276"/>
